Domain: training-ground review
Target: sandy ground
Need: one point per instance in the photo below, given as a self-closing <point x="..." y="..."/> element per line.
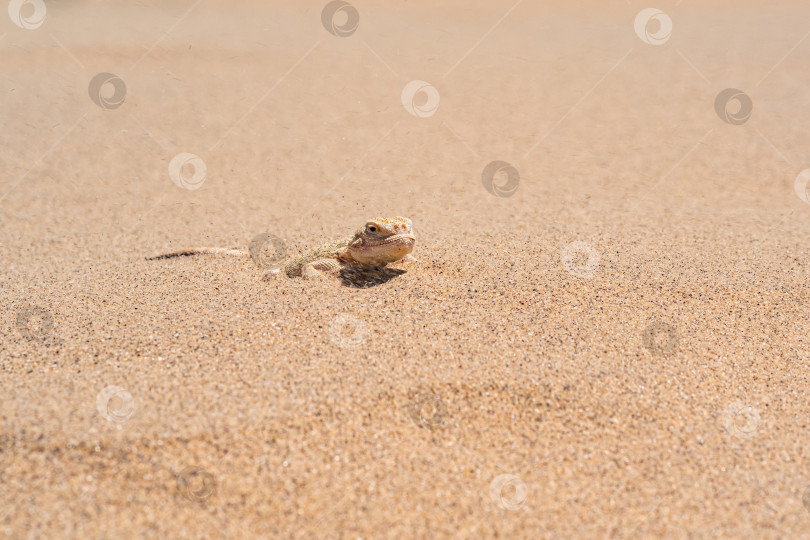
<point x="616" y="349"/>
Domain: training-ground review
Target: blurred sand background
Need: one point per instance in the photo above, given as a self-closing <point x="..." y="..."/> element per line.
<point x="315" y="409"/>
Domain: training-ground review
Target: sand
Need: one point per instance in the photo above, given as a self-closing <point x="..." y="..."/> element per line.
<point x="617" y="348"/>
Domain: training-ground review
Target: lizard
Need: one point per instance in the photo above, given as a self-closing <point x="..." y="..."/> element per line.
<point x="381" y="241"/>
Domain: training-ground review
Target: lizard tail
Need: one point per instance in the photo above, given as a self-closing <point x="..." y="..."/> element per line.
<point x="198" y="251"/>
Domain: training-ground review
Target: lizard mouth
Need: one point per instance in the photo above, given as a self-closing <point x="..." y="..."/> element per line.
<point x="402" y="241"/>
<point x="385" y="251"/>
<point x="405" y="239"/>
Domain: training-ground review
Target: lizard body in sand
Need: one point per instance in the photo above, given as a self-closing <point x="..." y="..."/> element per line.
<point x="381" y="241"/>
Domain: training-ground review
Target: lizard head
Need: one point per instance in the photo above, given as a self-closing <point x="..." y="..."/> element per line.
<point x="382" y="241"/>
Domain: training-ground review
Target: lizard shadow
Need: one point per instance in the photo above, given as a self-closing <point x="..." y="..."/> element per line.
<point x="364" y="278"/>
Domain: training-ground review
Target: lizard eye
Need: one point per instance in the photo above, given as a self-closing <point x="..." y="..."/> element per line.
<point x="372" y="228"/>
